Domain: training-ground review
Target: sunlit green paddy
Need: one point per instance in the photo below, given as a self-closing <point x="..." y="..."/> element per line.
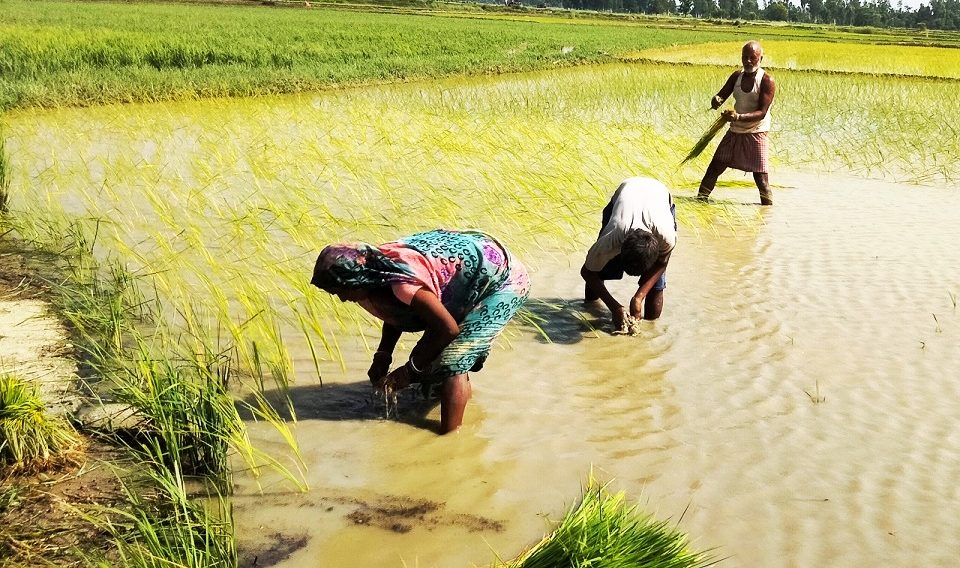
<point x="823" y="56"/>
<point x="224" y="203"/>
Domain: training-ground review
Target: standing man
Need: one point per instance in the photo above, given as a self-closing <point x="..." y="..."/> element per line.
<point x="639" y="233"/>
<point x="744" y="146"/>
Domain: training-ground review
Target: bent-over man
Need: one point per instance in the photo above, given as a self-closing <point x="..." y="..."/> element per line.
<point x="639" y="233"/>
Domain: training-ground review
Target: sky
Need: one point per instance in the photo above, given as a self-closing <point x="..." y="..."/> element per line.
<point x="912" y="4"/>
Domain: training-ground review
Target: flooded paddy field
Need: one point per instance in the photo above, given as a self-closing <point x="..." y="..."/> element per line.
<point x="796" y="399"/>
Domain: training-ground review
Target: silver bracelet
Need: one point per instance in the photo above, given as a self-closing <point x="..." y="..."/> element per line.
<point x="413" y="368"/>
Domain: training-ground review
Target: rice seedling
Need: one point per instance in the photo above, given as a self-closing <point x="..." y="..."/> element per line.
<point x="164" y="524"/>
<point x="705" y="140"/>
<point x="30" y="438"/>
<point x="603" y="529"/>
<point x="226" y="219"/>
<point x="190" y="423"/>
<point x="4" y="173"/>
<point x="816" y="398"/>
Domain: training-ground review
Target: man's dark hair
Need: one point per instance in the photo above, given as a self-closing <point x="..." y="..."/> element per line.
<point x="639" y="252"/>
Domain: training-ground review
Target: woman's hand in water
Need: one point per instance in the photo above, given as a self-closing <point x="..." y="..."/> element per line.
<point x="380" y="366"/>
<point x="398" y="379"/>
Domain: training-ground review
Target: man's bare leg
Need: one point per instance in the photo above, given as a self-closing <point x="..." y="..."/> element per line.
<point x="653" y="305"/>
<point x="589" y="296"/>
<point x="763" y="184"/>
<point x="709" y="180"/>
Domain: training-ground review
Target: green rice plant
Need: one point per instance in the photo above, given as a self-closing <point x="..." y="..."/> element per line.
<point x="603" y="530"/>
<point x="185" y="406"/>
<point x="163" y="523"/>
<point x="177" y="384"/>
<point x="189" y="412"/>
<point x="4" y="172"/>
<point x="29" y="437"/>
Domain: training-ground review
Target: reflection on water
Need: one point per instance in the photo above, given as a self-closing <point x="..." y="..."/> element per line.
<point x="707" y="409"/>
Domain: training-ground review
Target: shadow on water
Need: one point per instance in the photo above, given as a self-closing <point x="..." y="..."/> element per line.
<point x="550" y="320"/>
<point x="562" y="320"/>
<point x="348" y="401"/>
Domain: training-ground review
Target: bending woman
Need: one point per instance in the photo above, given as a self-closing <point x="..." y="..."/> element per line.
<point x="459" y="287"/>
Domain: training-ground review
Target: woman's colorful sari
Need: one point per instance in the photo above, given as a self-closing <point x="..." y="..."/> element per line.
<point x="476" y="279"/>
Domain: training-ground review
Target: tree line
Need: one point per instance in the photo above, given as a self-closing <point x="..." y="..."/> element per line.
<point x="938" y="14"/>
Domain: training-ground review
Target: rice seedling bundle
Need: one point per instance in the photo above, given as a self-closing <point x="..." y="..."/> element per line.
<point x="603" y="530"/>
<point x="164" y="524"/>
<point x="29" y="437"/>
<point x="704" y="140"/>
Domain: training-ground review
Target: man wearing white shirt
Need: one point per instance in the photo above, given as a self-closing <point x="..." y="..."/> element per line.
<point x="639" y="233"/>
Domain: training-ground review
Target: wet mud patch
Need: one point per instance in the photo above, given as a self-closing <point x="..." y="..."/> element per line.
<point x="402" y="514"/>
<point x="42" y="519"/>
<point x="385" y="512"/>
<point x="279" y="548"/>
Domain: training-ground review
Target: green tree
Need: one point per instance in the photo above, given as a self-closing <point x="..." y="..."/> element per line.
<point x="777" y="11"/>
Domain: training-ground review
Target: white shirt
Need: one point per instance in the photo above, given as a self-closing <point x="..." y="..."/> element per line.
<point x="639" y="203"/>
<point x="749" y="101"/>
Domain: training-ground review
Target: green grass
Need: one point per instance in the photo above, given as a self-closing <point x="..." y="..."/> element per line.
<point x="55" y="54"/>
<point x="30" y="439"/>
<point x="164" y="524"/>
<point x="4" y="170"/>
<point x="58" y="53"/>
<point x="603" y="530"/>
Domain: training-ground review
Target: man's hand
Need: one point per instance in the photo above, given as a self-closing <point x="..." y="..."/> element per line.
<point x="636" y="305"/>
<point x="619" y="317"/>
<point x="715" y="102"/>
<point x="730" y="115"/>
<point x="380" y="366"/>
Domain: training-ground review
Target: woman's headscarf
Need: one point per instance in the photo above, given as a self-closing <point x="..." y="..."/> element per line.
<point x="357" y="267"/>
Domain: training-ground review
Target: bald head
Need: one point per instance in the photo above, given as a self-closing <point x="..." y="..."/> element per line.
<point x="754" y="46"/>
<point x="751" y="55"/>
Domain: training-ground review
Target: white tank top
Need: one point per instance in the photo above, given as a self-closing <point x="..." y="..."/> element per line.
<point x="748" y="102"/>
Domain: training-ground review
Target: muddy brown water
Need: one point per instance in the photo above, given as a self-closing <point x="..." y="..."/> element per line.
<point x="798" y="398"/>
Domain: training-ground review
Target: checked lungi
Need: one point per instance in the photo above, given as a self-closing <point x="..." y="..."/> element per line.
<point x="747" y="152"/>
